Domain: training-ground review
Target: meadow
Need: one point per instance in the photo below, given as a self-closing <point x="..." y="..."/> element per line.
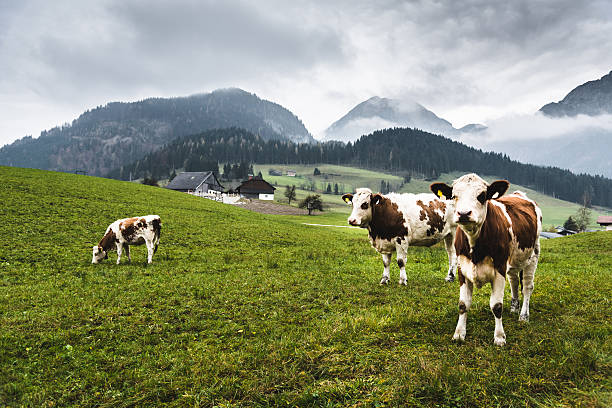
<point x="241" y="309"/>
<point x="555" y="211"/>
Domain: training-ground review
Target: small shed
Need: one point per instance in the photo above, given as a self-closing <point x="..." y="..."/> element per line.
<point x="291" y="173"/>
<point x="605" y="221"/>
<point x="256" y="188"/>
<point x="196" y="182"/>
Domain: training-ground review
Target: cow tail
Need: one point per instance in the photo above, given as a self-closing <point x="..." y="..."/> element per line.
<point x="157" y="226"/>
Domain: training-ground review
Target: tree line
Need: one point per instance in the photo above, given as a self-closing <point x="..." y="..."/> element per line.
<point x="410" y="152"/>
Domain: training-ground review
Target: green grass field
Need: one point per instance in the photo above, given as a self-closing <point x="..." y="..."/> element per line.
<point x="241" y="309"/>
<point x="555" y="211"/>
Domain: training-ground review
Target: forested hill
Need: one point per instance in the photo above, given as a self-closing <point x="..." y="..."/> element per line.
<point x="399" y="150"/>
<point x="109" y="136"/>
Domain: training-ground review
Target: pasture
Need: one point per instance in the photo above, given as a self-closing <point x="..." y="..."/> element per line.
<point x="241" y="309"/>
<point x="555" y="211"/>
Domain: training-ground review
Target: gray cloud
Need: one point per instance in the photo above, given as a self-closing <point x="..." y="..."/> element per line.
<point x="468" y="61"/>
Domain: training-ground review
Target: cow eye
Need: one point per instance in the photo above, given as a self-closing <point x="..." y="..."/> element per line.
<point x="482" y="197"/>
<point x="364" y="206"/>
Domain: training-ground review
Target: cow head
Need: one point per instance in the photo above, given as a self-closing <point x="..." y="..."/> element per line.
<point x="470" y="195"/>
<point x="99" y="254"/>
<point x="363" y="200"/>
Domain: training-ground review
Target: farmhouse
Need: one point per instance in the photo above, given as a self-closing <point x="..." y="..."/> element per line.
<point x="199" y="183"/>
<point x="256" y="187"/>
<point x="605" y="221"/>
<point x="291" y="173"/>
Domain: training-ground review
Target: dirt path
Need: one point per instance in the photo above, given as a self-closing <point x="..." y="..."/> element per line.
<point x="267" y="207"/>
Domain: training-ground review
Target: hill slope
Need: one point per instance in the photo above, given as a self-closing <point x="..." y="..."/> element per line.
<point x="110" y="136"/>
<point x="406" y="151"/>
<point x="245" y="309"/>
<point x="591" y="98"/>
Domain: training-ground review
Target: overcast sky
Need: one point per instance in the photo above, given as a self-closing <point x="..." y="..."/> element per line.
<point x="467" y="61"/>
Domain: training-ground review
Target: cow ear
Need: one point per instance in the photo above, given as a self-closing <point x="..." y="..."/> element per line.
<point x="442" y="190"/>
<point x="348" y="198"/>
<point x="375" y="199"/>
<point x="497" y="189"/>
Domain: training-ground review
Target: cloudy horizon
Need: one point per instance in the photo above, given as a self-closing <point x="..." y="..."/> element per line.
<point x="469" y="62"/>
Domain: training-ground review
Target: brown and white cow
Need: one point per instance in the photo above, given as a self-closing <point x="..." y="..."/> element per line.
<point x="397" y="221"/>
<point x="497" y="236"/>
<point x="126" y="232"/>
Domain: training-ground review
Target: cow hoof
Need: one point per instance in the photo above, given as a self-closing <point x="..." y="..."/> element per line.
<point x="384" y="281"/>
<point x="514" y="306"/>
<point x="499" y="341"/>
<point x="524" y="317"/>
<point x="403" y="282"/>
<point x="450" y="278"/>
<point x="460" y="337"/>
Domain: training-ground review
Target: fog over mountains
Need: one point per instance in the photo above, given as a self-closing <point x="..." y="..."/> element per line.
<point x="574" y="133"/>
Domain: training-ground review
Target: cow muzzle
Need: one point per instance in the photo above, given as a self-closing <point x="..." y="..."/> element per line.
<point x="464" y="217"/>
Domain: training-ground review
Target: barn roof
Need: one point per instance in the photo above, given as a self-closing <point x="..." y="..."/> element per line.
<point x="256" y="186"/>
<point x="190" y="180"/>
<point x="604" y="219"/>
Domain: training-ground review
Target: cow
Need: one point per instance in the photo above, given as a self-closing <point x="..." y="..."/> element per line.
<point x="397" y="221"/>
<point x="496" y="237"/>
<point x="129" y="231"/>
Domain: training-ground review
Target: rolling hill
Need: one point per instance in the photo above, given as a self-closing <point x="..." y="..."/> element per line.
<point x="244" y="309"/>
<point x="400" y="151"/>
<point x="109" y="136"/>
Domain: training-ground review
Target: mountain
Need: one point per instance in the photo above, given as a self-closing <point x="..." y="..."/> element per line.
<point x="591" y="98"/>
<point x="381" y="113"/>
<point x="109" y="136"/>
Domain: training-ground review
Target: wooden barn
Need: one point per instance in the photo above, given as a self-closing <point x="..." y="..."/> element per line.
<point x="256" y="187"/>
<point x="201" y="183"/>
<point x="605" y="221"/>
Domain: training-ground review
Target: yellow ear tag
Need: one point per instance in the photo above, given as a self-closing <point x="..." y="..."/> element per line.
<point x="440" y="193"/>
<point x="346" y="200"/>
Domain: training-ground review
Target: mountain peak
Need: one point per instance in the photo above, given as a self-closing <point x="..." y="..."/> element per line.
<point x="591" y="98"/>
<point x="379" y="113"/>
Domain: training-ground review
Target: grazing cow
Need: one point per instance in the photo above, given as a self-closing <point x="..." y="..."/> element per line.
<point x="497" y="236"/>
<point x="396" y="221"/>
<point x="126" y="232"/>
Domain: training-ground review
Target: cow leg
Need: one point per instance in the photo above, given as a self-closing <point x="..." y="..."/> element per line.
<point x="497" y="305"/>
<point x="119" y="250"/>
<point x="452" y="257"/>
<point x="386" y="262"/>
<point x="513" y="276"/>
<point x="465" y="302"/>
<point x="127" y="252"/>
<point x="401" y="262"/>
<point x="150" y="250"/>
<point x="528" y="274"/>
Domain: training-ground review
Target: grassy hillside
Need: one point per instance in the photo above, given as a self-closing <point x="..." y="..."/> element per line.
<point x="243" y="309"/>
<point x="555" y="211"/>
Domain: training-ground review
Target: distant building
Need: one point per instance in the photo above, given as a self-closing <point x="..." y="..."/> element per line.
<point x="273" y="172"/>
<point x="549" y="235"/>
<point x="256" y="188"/>
<point x="605" y="221"/>
<point x="201" y="183"/>
<point x="291" y="173"/>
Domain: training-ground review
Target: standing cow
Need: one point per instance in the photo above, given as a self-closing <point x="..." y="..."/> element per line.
<point x="497" y="236"/>
<point x="397" y="221"/>
<point x="129" y="231"/>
